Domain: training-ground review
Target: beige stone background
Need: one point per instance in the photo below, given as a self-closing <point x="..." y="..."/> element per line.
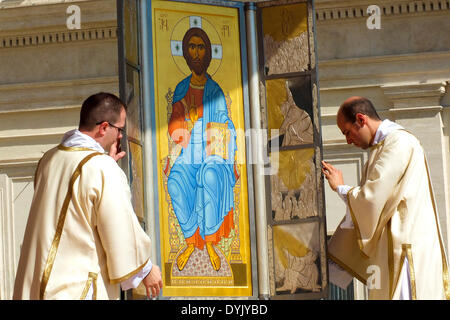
<point x="47" y="70"/>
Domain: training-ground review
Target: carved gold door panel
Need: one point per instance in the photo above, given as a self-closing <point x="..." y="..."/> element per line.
<point x="289" y="90"/>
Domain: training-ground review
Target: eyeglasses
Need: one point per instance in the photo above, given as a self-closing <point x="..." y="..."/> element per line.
<point x="121" y="130"/>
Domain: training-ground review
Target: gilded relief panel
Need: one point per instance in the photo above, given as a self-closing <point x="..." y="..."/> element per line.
<point x="296" y="230"/>
<point x="285" y="38"/>
<point x="296" y="263"/>
<point x="290" y="111"/>
<point x="293" y="191"/>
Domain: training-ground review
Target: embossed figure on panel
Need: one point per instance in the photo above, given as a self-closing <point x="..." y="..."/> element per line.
<point x="296" y="259"/>
<point x="293" y="192"/>
<point x="297" y="126"/>
<point x="302" y="273"/>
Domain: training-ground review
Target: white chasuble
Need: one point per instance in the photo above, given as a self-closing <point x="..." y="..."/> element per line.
<point x="394" y="218"/>
<point x="82" y="232"/>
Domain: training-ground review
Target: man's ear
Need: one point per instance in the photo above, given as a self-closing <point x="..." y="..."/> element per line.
<point x="102" y="129"/>
<point x="361" y="119"/>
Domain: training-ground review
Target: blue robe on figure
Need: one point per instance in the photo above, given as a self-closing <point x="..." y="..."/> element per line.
<point x="201" y="186"/>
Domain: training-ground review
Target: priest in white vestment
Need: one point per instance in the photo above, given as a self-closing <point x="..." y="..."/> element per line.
<point x="82" y="237"/>
<point x="390" y="236"/>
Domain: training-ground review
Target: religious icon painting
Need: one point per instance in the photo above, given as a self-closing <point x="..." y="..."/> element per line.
<point x="204" y="221"/>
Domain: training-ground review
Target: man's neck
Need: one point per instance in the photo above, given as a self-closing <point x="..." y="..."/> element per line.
<point x="88" y="133"/>
<point x="373" y="127"/>
<point x="94" y="135"/>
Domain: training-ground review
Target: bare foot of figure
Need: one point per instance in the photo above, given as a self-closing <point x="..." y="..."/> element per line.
<point x="184" y="257"/>
<point x="213" y="257"/>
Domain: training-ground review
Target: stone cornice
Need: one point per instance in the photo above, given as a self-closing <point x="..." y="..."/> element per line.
<point x="56" y="84"/>
<point x="398" y="58"/>
<point x="45" y="23"/>
<point x="8" y="4"/>
<point x="61" y="36"/>
<point x="400" y="91"/>
<point x="55" y="15"/>
<point x="415" y="97"/>
<point x="342" y="10"/>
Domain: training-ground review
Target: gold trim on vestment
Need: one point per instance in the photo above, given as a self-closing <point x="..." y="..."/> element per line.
<point x="92" y="280"/>
<point x="94" y="277"/>
<point x="407" y="248"/>
<point x="60" y="225"/>
<point x="64" y="148"/>
<point x="407" y="253"/>
<point x="390" y="258"/>
<point x="399" y="271"/>
<point x="375" y="146"/>
<point x="445" y="275"/>
<point x="86" y="288"/>
<point x="347" y="268"/>
<point x="35" y="174"/>
<point x="132" y="273"/>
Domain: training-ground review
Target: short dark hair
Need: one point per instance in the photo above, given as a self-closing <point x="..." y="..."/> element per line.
<point x="197" y="32"/>
<point x="358" y="105"/>
<point x="100" y="107"/>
